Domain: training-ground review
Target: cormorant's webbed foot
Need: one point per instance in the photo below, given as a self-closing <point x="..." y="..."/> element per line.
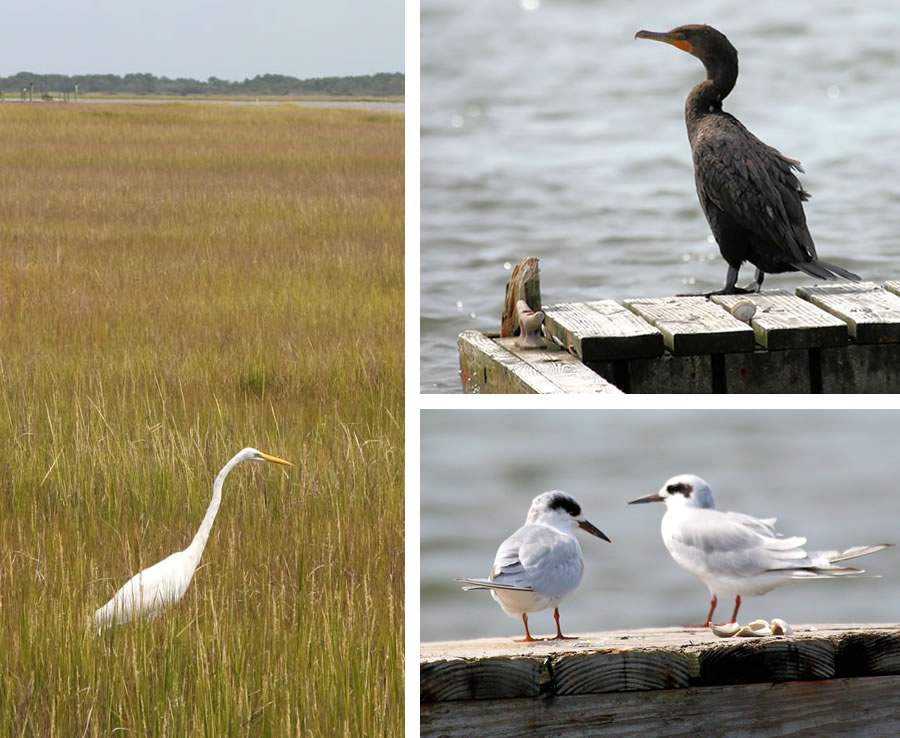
<point x="733" y="290"/>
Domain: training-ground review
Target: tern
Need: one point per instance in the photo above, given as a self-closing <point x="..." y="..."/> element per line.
<point x="736" y="554"/>
<point x="540" y="565"/>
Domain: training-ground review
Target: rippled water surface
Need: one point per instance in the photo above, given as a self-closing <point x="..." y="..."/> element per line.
<point x="828" y="475"/>
<point x="553" y="133"/>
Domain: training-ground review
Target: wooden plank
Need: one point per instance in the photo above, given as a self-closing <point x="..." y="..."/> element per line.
<point x="785" y="321"/>
<point x="671" y="374"/>
<point x="564" y="370"/>
<point x="623" y="670"/>
<point x="694" y="325"/>
<point x="864" y="654"/>
<point x="661" y="658"/>
<point x="893" y="286"/>
<point x="488" y="368"/>
<point x="498" y="366"/>
<point x="872" y="313"/>
<point x="602" y="330"/>
<point x="497" y="678"/>
<point x="866" y="706"/>
<point x="767" y="660"/>
<point x="770" y="372"/>
<point x="861" y="368"/>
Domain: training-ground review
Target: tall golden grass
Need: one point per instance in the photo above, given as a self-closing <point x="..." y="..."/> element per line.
<point x="178" y="282"/>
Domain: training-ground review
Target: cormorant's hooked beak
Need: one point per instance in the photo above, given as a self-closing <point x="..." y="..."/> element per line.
<point x="655" y="497"/>
<point x="666" y="38"/>
<point x="275" y="459"/>
<point x="592" y="529"/>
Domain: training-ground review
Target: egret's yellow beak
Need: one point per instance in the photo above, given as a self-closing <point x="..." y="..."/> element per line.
<point x="275" y="459"/>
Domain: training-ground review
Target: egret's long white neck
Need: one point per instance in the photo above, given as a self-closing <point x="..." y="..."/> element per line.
<point x="195" y="550"/>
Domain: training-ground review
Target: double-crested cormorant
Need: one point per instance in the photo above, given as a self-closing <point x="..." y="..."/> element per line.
<point x="751" y="198"/>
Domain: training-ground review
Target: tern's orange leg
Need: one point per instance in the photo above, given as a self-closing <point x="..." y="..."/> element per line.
<point x="737" y="606"/>
<point x="527" y="638"/>
<point x="712" y="609"/>
<point x="559" y="635"/>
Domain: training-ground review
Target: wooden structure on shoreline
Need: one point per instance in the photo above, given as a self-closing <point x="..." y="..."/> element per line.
<point x="827" y="337"/>
<point x="822" y="680"/>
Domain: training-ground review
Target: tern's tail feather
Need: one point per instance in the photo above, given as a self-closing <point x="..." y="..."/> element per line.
<point x="853" y="552"/>
<point x="824" y="562"/>
<point x="488" y="584"/>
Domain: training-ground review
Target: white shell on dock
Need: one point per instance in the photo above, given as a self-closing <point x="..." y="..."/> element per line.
<point x="743" y="310"/>
<point x="725" y="630"/>
<point x="781" y="628"/>
<point x="756" y="629"/>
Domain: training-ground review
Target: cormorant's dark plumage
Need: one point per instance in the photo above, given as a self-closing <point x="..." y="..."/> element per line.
<point x="748" y="190"/>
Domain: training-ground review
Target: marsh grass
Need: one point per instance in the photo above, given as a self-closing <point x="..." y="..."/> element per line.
<point x="176" y="283"/>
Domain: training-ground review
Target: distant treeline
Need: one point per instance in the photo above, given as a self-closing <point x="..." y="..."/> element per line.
<point x="372" y="85"/>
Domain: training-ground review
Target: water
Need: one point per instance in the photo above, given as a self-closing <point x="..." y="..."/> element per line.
<point x="553" y="133"/>
<point x="378" y="105"/>
<point x="827" y="475"/>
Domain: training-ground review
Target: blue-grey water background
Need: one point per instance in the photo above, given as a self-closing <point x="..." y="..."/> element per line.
<point x="828" y="475"/>
<point x="551" y="132"/>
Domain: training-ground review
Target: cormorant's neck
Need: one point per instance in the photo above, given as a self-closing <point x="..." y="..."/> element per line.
<point x="707" y="96"/>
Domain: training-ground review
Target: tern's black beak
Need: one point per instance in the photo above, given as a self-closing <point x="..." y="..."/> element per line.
<point x="655" y="497"/>
<point x="592" y="529"/>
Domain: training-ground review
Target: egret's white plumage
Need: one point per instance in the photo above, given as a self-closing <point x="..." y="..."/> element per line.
<point x="541" y="564"/>
<point x="164" y="583"/>
<point x="736" y="554"/>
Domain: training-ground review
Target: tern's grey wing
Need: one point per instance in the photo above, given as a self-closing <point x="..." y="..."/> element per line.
<point x="731" y="545"/>
<point x="539" y="557"/>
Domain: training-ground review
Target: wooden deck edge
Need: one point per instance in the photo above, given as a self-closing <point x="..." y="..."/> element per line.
<point x="498" y="366"/>
<point x="862" y="706"/>
<point x="653" y="660"/>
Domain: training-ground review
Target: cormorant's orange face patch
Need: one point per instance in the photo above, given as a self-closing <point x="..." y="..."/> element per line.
<point x="676" y="40"/>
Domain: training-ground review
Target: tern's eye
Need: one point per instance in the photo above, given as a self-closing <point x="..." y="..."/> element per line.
<point x="682" y="488"/>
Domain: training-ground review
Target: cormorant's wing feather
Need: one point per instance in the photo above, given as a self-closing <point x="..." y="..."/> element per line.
<point x="754" y="184"/>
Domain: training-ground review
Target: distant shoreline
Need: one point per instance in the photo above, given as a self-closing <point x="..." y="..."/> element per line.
<point x="388" y="104"/>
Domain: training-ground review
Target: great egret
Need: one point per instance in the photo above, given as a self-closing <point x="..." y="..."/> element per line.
<point x="164" y="583"/>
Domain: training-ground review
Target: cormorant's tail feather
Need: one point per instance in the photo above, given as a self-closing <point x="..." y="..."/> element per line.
<point x="823" y="270"/>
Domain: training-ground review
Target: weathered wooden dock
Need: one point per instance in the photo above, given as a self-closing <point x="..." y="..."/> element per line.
<point x="822" y="680"/>
<point x="825" y="337"/>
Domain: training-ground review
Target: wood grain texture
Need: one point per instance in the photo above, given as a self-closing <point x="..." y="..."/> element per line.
<point x="864" y="654"/>
<point x="694" y="325"/>
<point x="785" y="321"/>
<point x="489" y="366"/>
<point x="861" y="368"/>
<point x="671" y="374"/>
<point x="872" y="314"/>
<point x="602" y="330"/>
<point x="766" y="660"/>
<point x="620" y="671"/>
<point x="564" y="370"/>
<point x="770" y="372"/>
<point x="486" y="368"/>
<point x="524" y="284"/>
<point x="838" y="707"/>
<point x="466" y="679"/>
<point x="649" y="659"/>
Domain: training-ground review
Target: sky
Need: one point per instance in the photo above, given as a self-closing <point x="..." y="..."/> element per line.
<point x="229" y="39"/>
